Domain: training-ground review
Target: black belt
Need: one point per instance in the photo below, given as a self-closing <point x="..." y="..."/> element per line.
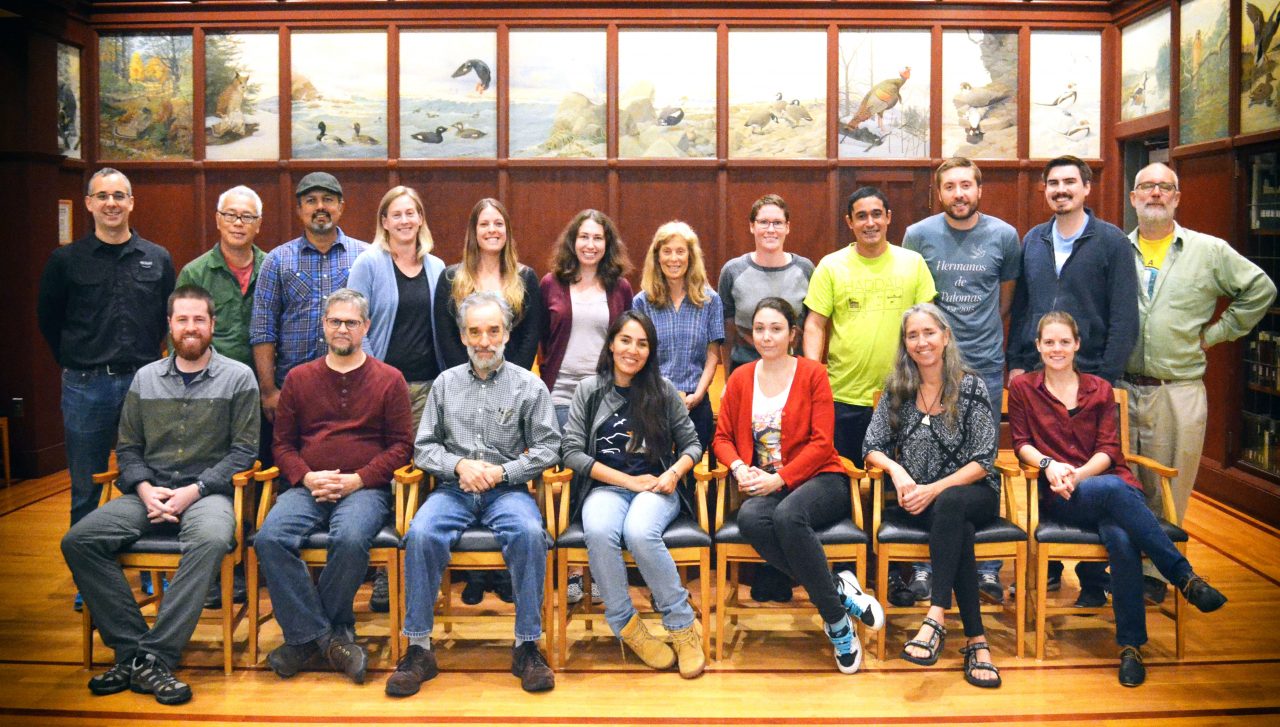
<point x="109" y="369"/>
<point x="1138" y="380"/>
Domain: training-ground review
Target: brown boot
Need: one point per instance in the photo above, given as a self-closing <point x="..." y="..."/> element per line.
<point x="688" y="644"/>
<point x="653" y="652"/>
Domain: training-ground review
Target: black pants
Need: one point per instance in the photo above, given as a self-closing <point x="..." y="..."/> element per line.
<point x="781" y="528"/>
<point x="851" y="428"/>
<point x="952" y="519"/>
<point x="704" y="424"/>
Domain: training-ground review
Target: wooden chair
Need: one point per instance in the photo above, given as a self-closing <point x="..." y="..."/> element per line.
<point x="477" y="549"/>
<point x="686" y="538"/>
<point x="843" y="542"/>
<point x="383" y="553"/>
<point x="160" y="551"/>
<point x="1055" y="540"/>
<point x="4" y="439"/>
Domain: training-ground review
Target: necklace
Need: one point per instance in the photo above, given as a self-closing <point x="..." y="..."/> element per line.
<point x="928" y="407"/>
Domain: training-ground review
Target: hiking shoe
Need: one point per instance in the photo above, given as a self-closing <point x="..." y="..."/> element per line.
<point x="1091" y="597"/>
<point x="1132" y="672"/>
<point x="114" y="680"/>
<point x="990" y="588"/>
<point x="857" y="603"/>
<point x="1154" y="590"/>
<point x="349" y="658"/>
<point x="380" y="599"/>
<point x="287" y="659"/>
<point x="921" y="585"/>
<point x="899" y="594"/>
<point x="528" y="663"/>
<point x="473" y="592"/>
<point x="1203" y="596"/>
<point x="151" y="676"/>
<point x="846" y="644"/>
<point x="416" y="666"/>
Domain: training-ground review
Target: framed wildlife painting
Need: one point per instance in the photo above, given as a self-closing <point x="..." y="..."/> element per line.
<point x="667" y="94"/>
<point x="144" y="97"/>
<point x="980" y="94"/>
<point x="69" y="105"/>
<point x="556" y="100"/>
<point x="241" y="96"/>
<point x="448" y="94"/>
<point x="777" y="94"/>
<point x="1145" y="69"/>
<point x="338" y="98"/>
<point x="884" y="94"/>
<point x="1202" y="97"/>
<point x="1066" y="94"/>
<point x="1259" y="66"/>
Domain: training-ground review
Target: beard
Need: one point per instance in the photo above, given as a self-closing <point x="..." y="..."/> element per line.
<point x="191" y="348"/>
<point x="973" y="210"/>
<point x="342" y="348"/>
<point x="484" y="366"/>
<point x="321" y="227"/>
<point x="1151" y="213"/>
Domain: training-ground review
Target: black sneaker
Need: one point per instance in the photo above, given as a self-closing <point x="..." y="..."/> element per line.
<point x="1091" y="597"/>
<point x="287" y="659"/>
<point x="1203" y="596"/>
<point x="349" y="658"/>
<point x="1154" y="590"/>
<point x="990" y="588"/>
<point x="151" y="676"/>
<point x="528" y="663"/>
<point x="1132" y="672"/>
<point x="113" y="680"/>
<point x="473" y="592"/>
<point x="899" y="594"/>
<point x="500" y="584"/>
<point x="380" y="599"/>
<point x="213" y="600"/>
<point x="416" y="666"/>
<point x="921" y="585"/>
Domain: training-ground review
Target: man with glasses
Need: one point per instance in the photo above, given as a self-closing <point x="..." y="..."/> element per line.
<point x="101" y="309"/>
<point x="342" y="428"/>
<point x="1181" y="275"/>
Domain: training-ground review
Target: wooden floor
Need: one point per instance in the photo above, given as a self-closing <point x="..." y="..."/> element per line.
<point x="774" y="673"/>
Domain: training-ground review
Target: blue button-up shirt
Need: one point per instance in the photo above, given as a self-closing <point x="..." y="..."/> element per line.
<point x="684" y="334"/>
<point x="288" y="303"/>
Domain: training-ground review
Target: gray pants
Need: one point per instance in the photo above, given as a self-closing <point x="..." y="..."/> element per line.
<point x="206" y="531"/>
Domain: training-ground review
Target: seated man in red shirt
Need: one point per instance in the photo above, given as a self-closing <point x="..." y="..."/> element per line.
<point x="342" y="427"/>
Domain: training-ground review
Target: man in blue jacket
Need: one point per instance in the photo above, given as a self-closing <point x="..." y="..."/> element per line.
<point x="1080" y="264"/>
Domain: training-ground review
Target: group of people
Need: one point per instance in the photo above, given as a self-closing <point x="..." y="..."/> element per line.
<point x="327" y="354"/>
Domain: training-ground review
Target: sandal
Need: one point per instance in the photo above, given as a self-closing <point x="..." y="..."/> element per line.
<point x="933" y="645"/>
<point x="971" y="665"/>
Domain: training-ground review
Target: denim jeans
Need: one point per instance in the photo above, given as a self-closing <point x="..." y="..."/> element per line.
<point x="91" y="403"/>
<point x="614" y="518"/>
<point x="1128" y="529"/>
<point x="513" y="516"/>
<point x="308" y="611"/>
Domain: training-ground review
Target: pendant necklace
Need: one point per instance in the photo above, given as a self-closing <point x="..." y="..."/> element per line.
<point x="928" y="408"/>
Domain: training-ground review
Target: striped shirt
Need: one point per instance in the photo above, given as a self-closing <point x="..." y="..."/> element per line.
<point x="684" y="334"/>
<point x="288" y="303"/>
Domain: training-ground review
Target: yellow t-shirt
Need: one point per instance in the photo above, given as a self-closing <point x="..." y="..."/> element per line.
<point x="1153" y="254"/>
<point x="865" y="300"/>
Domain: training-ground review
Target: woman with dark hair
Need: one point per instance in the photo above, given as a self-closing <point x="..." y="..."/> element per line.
<point x="489" y="262"/>
<point x="934" y="435"/>
<point x="1064" y="422"/>
<point x="629" y="441"/>
<point x="775" y="431"/>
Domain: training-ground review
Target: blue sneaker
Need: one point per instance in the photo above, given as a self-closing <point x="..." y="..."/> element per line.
<point x="148" y="589"/>
<point x="857" y="603"/>
<point x="78" y="604"/>
<point x="847" y="645"/>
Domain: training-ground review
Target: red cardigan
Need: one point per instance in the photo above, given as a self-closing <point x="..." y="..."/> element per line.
<point x="808" y="423"/>
<point x="555" y="337"/>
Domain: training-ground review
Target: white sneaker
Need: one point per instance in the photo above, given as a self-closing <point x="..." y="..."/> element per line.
<point x="847" y="646"/>
<point x="574" y="590"/>
<point x="859" y="604"/>
<point x="596" y="598"/>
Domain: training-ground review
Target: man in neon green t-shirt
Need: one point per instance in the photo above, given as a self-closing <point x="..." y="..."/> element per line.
<point x="863" y="290"/>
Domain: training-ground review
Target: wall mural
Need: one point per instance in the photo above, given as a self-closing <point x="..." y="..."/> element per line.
<point x="1259" y="61"/>
<point x="1066" y="95"/>
<point x="242" y="96"/>
<point x="778" y="94"/>
<point x="980" y="94"/>
<point x="557" y="94"/>
<point x="1145" y="69"/>
<point x="338" y="98"/>
<point x="884" y="94"/>
<point x="449" y="94"/>
<point x="1202" y="101"/>
<point x="69" y="102"/>
<point x="144" y="97"/>
<point x="667" y="100"/>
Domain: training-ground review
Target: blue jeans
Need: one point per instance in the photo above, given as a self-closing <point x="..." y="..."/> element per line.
<point x="614" y="518"/>
<point x="562" y="416"/>
<point x="1128" y="529"/>
<point x="513" y="516"/>
<point x="91" y="403"/>
<point x="307" y="611"/>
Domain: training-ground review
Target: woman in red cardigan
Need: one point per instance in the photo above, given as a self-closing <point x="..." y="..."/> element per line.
<point x="775" y="431"/>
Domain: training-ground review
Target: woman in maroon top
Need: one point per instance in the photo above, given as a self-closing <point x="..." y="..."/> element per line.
<point x="1064" y="422"/>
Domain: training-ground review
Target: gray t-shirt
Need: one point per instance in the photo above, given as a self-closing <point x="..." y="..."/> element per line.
<point x="743" y="284"/>
<point x="586" y="339"/>
<point x="968" y="267"/>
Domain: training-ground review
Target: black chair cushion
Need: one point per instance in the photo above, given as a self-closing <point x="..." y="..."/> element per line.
<point x="479" y="539"/>
<point x="899" y="526"/>
<point x="843" y="532"/>
<point x="1052" y="531"/>
<point x="388" y="537"/>
<point x="683" y="532"/>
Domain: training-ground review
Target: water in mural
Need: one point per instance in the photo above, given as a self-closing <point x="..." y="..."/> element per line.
<point x="339" y="95"/>
<point x="448" y="94"/>
<point x="557" y="106"/>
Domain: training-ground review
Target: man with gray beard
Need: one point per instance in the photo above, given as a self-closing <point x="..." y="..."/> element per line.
<point x="1181" y="275"/>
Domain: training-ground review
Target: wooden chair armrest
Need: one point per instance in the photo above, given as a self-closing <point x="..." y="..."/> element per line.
<point x="108" y="481"/>
<point x="1151" y="464"/>
<point x="1007" y="473"/>
<point x="564" y="489"/>
<point x="406" y="481"/>
<point x="855" y="472"/>
<point x="1166" y="485"/>
<point x="268" y="498"/>
<point x="700" y="501"/>
<point x="703" y="475"/>
<point x="1006" y="469"/>
<point x="856" y="475"/>
<point x="240" y="482"/>
<point x="877" y="501"/>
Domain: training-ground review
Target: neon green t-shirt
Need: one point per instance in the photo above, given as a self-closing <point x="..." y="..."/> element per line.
<point x="865" y="299"/>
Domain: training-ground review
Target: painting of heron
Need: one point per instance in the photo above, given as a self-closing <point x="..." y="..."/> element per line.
<point x="778" y="94"/>
<point x="884" y="94"/>
<point x="1145" y="67"/>
<point x="1202" y="98"/>
<point x="980" y="94"/>
<point x="1066" y="94"/>
<point x="667" y="94"/>
<point x="448" y="94"/>
<point x="338" y="97"/>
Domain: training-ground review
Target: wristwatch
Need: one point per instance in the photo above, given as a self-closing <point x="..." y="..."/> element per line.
<point x="1045" y="462"/>
<point x="201" y="487"/>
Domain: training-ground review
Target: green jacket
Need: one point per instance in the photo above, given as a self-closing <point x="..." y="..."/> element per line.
<point x="1198" y="270"/>
<point x="233" y="309"/>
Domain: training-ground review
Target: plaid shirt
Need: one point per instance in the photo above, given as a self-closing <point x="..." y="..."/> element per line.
<point x="684" y="334"/>
<point x="287" y="305"/>
<point x="506" y="419"/>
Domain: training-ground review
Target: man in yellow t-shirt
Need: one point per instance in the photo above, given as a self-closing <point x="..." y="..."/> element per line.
<point x="863" y="290"/>
<point x="1153" y="255"/>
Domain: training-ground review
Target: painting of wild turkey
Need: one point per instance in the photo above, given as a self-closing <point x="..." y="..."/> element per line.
<point x="884" y="94"/>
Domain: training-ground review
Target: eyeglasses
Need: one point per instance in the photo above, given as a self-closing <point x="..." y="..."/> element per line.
<point x="772" y="224"/>
<point x="117" y="196"/>
<point x="232" y="217"/>
<point x="336" y="323"/>
<point x="1165" y="187"/>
